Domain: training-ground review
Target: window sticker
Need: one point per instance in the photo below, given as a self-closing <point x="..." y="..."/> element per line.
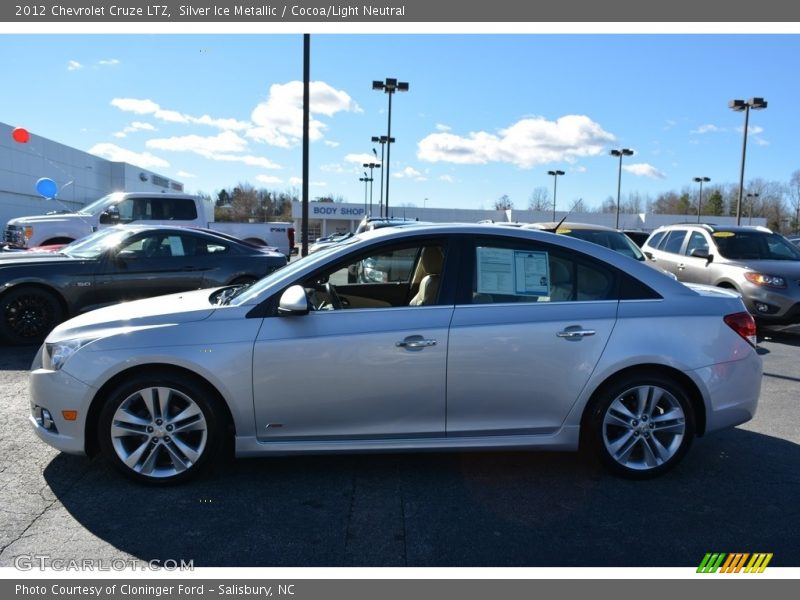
<point x="723" y="234"/>
<point x="512" y="272"/>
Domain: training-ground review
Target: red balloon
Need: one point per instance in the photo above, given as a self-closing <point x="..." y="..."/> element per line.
<point x="21" y="135"/>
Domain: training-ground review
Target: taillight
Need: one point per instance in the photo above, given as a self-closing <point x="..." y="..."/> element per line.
<point x="743" y="324"/>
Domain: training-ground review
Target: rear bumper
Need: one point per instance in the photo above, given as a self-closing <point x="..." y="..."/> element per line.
<point x="733" y="389"/>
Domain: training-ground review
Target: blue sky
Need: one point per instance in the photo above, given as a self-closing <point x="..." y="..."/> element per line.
<point x="486" y="115"/>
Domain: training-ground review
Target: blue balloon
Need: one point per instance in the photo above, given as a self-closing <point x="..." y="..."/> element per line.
<point x="47" y="188"/>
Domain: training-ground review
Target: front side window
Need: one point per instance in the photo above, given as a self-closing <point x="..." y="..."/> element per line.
<point x="400" y="276"/>
<point x="697" y="241"/>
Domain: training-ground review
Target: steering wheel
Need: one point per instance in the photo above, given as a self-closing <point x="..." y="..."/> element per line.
<point x="333" y="297"/>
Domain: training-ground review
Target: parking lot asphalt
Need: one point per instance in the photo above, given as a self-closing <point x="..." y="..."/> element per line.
<point x="736" y="491"/>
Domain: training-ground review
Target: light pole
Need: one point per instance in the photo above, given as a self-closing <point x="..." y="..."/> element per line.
<point x="620" y="153"/>
<point x="700" y="180"/>
<point x="555" y="175"/>
<point x="382" y="140"/>
<point x="750" y="200"/>
<point x="371" y="166"/>
<point x="366" y="180"/>
<point x="389" y="86"/>
<point x="739" y="106"/>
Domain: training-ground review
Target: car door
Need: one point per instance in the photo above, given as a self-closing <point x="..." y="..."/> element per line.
<point x="526" y="335"/>
<point x="373" y="368"/>
<point x="695" y="269"/>
<point x="149" y="264"/>
<point x="668" y="254"/>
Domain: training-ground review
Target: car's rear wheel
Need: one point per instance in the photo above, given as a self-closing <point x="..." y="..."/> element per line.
<point x="641" y="425"/>
<point x="28" y="314"/>
<point x="160" y="429"/>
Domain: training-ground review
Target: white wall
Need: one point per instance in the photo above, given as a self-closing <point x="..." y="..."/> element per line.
<point x="81" y="177"/>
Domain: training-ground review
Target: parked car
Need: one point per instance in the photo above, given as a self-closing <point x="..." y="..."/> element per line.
<point x="638" y="236"/>
<point x="497" y="338"/>
<point x="39" y="290"/>
<point x="794" y="240"/>
<point x="760" y="265"/>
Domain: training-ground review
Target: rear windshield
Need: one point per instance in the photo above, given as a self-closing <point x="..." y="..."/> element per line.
<point x="754" y="245"/>
<point x="615" y="240"/>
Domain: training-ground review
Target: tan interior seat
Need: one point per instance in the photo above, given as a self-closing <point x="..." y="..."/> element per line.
<point x="431" y="261"/>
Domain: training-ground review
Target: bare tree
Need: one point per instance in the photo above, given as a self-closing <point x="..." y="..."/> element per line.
<point x="503" y="203"/>
<point x="794" y="199"/>
<point x="540" y="200"/>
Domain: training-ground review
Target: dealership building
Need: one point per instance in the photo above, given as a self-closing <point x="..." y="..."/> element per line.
<point x="80" y="177"/>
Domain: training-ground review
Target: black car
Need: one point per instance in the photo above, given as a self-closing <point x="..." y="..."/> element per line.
<point x="39" y="290"/>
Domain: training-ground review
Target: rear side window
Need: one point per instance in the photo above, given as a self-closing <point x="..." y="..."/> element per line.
<point x="673" y="241"/>
<point x="655" y="240"/>
<point x="533" y="273"/>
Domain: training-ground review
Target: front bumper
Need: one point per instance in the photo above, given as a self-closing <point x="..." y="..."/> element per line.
<point x="55" y="392"/>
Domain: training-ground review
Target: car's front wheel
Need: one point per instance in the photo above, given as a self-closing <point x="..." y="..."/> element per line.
<point x="28" y="314"/>
<point x="641" y="425"/>
<point x="160" y="429"/>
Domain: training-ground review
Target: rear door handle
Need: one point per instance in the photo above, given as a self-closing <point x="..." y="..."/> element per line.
<point x="575" y="333"/>
<point x="681" y="266"/>
<point x="415" y="342"/>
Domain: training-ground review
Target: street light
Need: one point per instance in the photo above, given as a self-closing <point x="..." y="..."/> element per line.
<point x="555" y="175"/>
<point x="371" y="166"/>
<point x="750" y="200"/>
<point x="382" y="140"/>
<point x="389" y="86"/>
<point x="620" y="153"/>
<point x="700" y="180"/>
<point x="740" y="106"/>
<point x="366" y="180"/>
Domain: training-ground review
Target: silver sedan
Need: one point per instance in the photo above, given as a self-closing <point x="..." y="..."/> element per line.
<point x="463" y="337"/>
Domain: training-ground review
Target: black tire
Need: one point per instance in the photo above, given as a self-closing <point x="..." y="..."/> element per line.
<point x="28" y="314"/>
<point x="174" y="428"/>
<point x="641" y="425"/>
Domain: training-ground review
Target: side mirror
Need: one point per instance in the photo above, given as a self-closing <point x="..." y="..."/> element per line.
<point x="293" y="301"/>
<point x="110" y="216"/>
<point x="649" y="255"/>
<point x="702" y="253"/>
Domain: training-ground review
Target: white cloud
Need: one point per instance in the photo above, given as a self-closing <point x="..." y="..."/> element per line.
<point x="120" y="134"/>
<point x="333" y="168"/>
<point x="527" y="143"/>
<point x="761" y="141"/>
<point x="331" y="143"/>
<point x="707" y="129"/>
<point x="644" y="170"/>
<point x="117" y="154"/>
<point x="225" y="141"/>
<point x="751" y="129"/>
<point x="279" y="119"/>
<point x="409" y="173"/>
<point x="447" y="178"/>
<point x="578" y="169"/>
<point x="299" y="181"/>
<point x="186" y="174"/>
<point x="360" y="159"/>
<point x="149" y="107"/>
<point x="268" y="179"/>
<point x="441" y="127"/>
<point x="135" y="126"/>
<point x="109" y="62"/>
<point x="74" y="65"/>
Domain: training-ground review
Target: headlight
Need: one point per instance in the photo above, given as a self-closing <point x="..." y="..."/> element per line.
<point x="765" y="280"/>
<point x="57" y="353"/>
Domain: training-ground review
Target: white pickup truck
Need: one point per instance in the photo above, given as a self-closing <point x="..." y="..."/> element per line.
<point x="138" y="207"/>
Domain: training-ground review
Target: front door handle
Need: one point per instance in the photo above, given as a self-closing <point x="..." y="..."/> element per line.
<point x="575" y="333"/>
<point x="415" y="342"/>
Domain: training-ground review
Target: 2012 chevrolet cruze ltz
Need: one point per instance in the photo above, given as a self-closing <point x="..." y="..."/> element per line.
<point x="442" y="337"/>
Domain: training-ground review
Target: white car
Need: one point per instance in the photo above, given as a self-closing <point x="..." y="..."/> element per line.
<point x="495" y="338"/>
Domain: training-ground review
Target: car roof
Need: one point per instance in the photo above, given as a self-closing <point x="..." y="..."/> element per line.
<point x="711" y="227"/>
<point x="554" y="226"/>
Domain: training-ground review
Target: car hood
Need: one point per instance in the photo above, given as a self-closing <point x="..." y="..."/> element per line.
<point x="54" y="218"/>
<point x="784" y="268"/>
<point x="26" y="259"/>
<point x="160" y="311"/>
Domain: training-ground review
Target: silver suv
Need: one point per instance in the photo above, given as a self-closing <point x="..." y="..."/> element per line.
<point x="761" y="265"/>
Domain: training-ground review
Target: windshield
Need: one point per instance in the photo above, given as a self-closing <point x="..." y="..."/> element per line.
<point x="616" y="240"/>
<point x="243" y="295"/>
<point x="95" y="244"/>
<point x="100" y="205"/>
<point x="754" y="245"/>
